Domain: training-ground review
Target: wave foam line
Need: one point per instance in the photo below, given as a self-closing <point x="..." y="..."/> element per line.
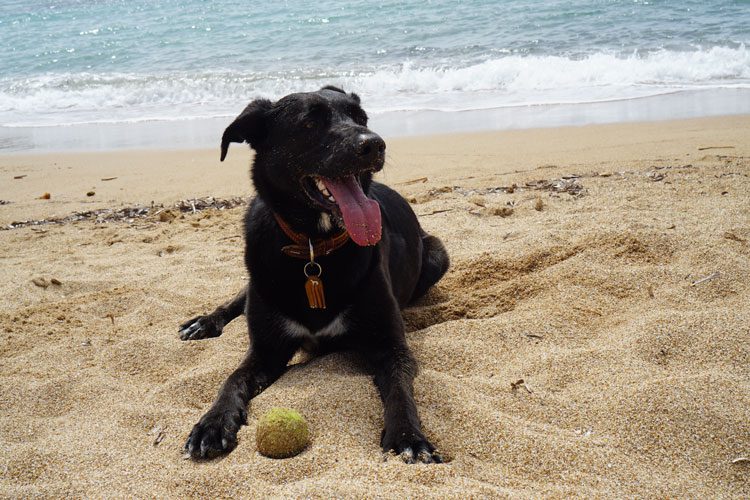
<point x="504" y="81"/>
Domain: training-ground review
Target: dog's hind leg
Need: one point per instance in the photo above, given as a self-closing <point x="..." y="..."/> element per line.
<point x="435" y="263"/>
<point x="211" y="325"/>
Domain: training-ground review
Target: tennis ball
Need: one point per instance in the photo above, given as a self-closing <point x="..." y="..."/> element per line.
<point x="281" y="433"/>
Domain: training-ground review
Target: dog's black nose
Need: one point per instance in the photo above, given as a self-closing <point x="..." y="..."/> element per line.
<point x="370" y="145"/>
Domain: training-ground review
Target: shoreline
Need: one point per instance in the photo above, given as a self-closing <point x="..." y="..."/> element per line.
<point x="205" y="132"/>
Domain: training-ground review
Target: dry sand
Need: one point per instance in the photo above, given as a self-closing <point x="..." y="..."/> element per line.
<point x="590" y="289"/>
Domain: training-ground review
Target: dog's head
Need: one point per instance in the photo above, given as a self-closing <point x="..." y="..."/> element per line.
<point x="314" y="150"/>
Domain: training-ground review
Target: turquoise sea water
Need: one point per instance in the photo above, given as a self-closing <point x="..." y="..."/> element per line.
<point x="95" y="61"/>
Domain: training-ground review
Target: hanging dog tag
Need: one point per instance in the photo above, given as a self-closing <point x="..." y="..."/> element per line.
<point x="315" y="295"/>
<point x="314" y="285"/>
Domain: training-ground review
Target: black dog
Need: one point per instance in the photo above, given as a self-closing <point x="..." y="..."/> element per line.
<point x="332" y="258"/>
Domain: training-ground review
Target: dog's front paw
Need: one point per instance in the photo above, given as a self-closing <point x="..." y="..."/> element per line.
<point x="215" y="434"/>
<point x="411" y="446"/>
<point x="201" y="327"/>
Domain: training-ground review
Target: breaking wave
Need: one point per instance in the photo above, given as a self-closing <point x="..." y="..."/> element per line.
<point x="509" y="80"/>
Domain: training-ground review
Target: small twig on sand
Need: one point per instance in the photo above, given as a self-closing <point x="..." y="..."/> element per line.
<point x="436" y="212"/>
<point x="413" y="181"/>
<point x="741" y="460"/>
<point x="159" y="435"/>
<point x="534" y="336"/>
<point x="109" y="178"/>
<point x="731" y="236"/>
<point x="715" y="147"/>
<point x="519" y="383"/>
<point x="229" y="237"/>
<point x="710" y="277"/>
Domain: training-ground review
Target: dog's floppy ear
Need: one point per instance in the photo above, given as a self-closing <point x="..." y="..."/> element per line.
<point x="249" y="126"/>
<point x="335" y="89"/>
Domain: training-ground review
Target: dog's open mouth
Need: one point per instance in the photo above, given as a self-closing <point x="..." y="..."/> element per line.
<point x="344" y="197"/>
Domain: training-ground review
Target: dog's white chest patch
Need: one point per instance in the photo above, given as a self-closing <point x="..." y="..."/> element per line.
<point x="325" y="224"/>
<point x="332" y="329"/>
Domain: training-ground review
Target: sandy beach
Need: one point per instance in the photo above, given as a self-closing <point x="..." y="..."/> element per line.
<point x="592" y="338"/>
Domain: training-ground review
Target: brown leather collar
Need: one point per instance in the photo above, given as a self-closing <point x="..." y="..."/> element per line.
<point x="301" y="248"/>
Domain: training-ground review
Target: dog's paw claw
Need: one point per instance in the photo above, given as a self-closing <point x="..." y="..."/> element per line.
<point x="190" y="330"/>
<point x="414" y="450"/>
<point x="407" y="455"/>
<point x="429" y="456"/>
<point x="210" y="438"/>
<point x="200" y="327"/>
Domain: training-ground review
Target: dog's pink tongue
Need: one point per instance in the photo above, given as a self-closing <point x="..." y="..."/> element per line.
<point x="361" y="214"/>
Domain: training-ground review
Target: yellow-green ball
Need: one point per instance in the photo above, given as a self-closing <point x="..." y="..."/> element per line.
<point x="281" y="433"/>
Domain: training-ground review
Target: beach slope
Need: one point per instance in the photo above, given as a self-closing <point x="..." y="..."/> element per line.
<point x="592" y="337"/>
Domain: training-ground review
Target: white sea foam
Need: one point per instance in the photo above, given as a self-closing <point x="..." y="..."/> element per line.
<point x="510" y="80"/>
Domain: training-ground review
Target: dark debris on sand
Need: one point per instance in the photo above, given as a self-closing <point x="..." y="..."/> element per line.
<point x="569" y="184"/>
<point x="130" y="214"/>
